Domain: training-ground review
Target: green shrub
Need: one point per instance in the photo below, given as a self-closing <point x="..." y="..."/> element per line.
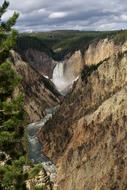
<point x="35" y="170"/>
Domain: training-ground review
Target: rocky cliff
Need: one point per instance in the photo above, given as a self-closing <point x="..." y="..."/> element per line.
<point x="102" y="50"/>
<point x="40" y="61"/>
<point x="39" y="92"/>
<point x="87" y="136"/>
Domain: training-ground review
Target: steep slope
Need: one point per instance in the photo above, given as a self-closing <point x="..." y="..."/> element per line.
<point x="36" y="53"/>
<point x="102" y="50"/>
<point x="40" y="61"/>
<point x="40" y="93"/>
<point x="87" y="136"/>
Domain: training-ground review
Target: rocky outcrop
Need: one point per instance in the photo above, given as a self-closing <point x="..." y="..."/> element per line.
<point x="73" y="66"/>
<point x="87" y="136"/>
<point x="41" y="180"/>
<point x="102" y="50"/>
<point x="4" y="158"/>
<point x="40" y="93"/>
<point x="40" y="61"/>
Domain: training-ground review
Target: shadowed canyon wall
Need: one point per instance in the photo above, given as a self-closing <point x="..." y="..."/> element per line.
<point x="39" y="92"/>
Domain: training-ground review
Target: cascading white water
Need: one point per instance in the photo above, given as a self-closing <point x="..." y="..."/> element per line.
<point x="63" y="78"/>
<point x="67" y="71"/>
<point x="59" y="70"/>
<point x="58" y="77"/>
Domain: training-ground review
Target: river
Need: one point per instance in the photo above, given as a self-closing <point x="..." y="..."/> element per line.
<point x="34" y="146"/>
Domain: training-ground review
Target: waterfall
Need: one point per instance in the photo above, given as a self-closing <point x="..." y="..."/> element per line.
<point x="58" y="71"/>
<point x="63" y="77"/>
<point x="58" y="76"/>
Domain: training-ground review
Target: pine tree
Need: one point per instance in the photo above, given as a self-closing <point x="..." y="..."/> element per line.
<point x="11" y="111"/>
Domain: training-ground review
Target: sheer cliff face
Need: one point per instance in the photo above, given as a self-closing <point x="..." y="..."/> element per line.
<point x="102" y="50"/>
<point x="87" y="136"/>
<point x="39" y="92"/>
<point x="39" y="60"/>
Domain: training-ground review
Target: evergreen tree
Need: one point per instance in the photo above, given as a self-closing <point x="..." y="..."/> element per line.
<point x="11" y="111"/>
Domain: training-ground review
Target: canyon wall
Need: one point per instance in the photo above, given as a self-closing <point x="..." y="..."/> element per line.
<point x="40" y="61"/>
<point x="102" y="50"/>
<point x="39" y="92"/>
<point x="87" y="136"/>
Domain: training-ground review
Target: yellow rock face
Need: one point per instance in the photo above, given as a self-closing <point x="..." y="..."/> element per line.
<point x="102" y="50"/>
<point x="87" y="137"/>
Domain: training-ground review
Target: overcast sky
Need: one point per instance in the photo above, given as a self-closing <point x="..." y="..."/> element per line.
<point x="42" y="15"/>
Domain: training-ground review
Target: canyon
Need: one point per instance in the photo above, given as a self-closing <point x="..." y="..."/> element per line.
<point x="86" y="136"/>
<point x="63" y="97"/>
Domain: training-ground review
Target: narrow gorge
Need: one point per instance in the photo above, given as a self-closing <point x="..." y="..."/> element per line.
<point x="78" y="142"/>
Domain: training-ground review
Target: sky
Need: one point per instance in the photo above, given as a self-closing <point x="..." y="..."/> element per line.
<point x="45" y="15"/>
